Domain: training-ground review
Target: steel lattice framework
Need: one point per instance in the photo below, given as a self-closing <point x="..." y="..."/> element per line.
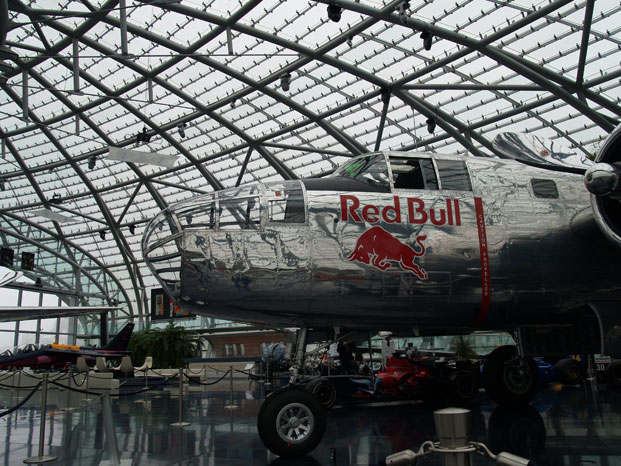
<point x="264" y="90"/>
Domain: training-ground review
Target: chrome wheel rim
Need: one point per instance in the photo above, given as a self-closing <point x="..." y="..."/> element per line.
<point x="294" y="423"/>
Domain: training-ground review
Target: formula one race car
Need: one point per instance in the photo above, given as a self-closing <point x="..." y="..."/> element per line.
<point x="400" y="379"/>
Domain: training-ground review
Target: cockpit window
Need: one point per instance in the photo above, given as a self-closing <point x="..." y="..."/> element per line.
<point x="285" y="202"/>
<point x="413" y="173"/>
<point x="454" y="175"/>
<point x="370" y="169"/>
<point x="239" y="214"/>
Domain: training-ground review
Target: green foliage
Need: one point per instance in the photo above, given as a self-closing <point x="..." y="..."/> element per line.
<point x="463" y="347"/>
<point x="168" y="346"/>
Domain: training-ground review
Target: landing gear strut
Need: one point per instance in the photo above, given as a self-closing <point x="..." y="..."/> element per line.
<point x="509" y="379"/>
<point x="291" y="421"/>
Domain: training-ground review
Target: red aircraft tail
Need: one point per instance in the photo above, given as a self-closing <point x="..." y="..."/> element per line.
<point x="121" y="340"/>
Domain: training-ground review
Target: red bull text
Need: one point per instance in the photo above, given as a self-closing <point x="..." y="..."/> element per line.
<point x="417" y="212"/>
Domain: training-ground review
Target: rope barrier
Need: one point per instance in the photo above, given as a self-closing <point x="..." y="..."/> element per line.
<point x="209" y="383"/>
<point x="200" y="371"/>
<point x="83" y="380"/>
<point x="250" y="374"/>
<point x="79" y="390"/>
<point x="21" y="403"/>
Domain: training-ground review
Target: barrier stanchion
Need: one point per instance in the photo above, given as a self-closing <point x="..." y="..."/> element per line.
<point x="68" y="407"/>
<point x="42" y="458"/>
<point x="113" y="446"/>
<point x="180" y="423"/>
<point x="268" y="381"/>
<point x="231" y="405"/>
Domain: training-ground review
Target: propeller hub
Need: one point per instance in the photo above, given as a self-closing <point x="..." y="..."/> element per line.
<point x="602" y="179"/>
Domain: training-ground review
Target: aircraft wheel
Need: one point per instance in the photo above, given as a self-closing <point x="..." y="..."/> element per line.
<point x="509" y="380"/>
<point x="291" y="422"/>
<point x="613" y="374"/>
<point x="570" y="371"/>
<point x="323" y="390"/>
<point x="463" y="386"/>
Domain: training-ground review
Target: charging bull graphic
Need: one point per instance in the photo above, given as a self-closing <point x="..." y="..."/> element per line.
<point x="377" y="247"/>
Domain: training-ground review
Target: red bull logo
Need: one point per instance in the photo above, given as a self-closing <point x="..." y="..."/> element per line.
<point x="378" y="248"/>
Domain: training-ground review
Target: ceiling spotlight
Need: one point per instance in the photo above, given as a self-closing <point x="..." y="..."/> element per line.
<point x="132" y="228"/>
<point x="56" y="199"/>
<point x="431" y="124"/>
<point x="92" y="161"/>
<point x="102" y="235"/>
<point x="350" y="41"/>
<point x="232" y="104"/>
<point x="181" y="128"/>
<point x="2" y="185"/>
<point x="143" y="137"/>
<point x="188" y="218"/>
<point x="427" y="39"/>
<point x="285" y="81"/>
<point x="334" y="13"/>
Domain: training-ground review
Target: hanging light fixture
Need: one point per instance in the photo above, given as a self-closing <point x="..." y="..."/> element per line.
<point x="285" y="81"/>
<point x="427" y="39"/>
<point x="92" y="161"/>
<point x="334" y="12"/>
<point x="181" y="128"/>
<point x="431" y="124"/>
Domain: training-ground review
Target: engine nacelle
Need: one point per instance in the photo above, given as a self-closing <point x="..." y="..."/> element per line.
<point x="603" y="180"/>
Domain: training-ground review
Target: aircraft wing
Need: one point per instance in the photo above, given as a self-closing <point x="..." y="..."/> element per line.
<point x="532" y="150"/>
<point x="86" y="352"/>
<point x="8" y="275"/>
<point x="14" y="313"/>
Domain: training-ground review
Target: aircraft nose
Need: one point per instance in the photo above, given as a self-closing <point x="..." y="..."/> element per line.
<point x="162" y="243"/>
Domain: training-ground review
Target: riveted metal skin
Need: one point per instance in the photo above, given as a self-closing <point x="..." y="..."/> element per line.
<point x="516" y="246"/>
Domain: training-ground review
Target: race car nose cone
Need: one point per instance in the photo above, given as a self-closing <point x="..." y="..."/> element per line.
<point x="602" y="179"/>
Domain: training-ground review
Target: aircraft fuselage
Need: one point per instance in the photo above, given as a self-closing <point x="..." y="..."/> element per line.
<point x="469" y="244"/>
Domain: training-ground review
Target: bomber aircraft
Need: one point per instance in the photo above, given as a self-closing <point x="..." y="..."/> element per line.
<point x="55" y="356"/>
<point x="414" y="244"/>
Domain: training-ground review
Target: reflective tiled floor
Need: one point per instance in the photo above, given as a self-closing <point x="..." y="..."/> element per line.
<point x="565" y="426"/>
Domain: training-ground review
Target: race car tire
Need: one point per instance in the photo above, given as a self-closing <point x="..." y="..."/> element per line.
<point x="613" y="374"/>
<point x="463" y="386"/>
<point x="506" y="380"/>
<point x="291" y="422"/>
<point x="323" y="390"/>
<point x="570" y="371"/>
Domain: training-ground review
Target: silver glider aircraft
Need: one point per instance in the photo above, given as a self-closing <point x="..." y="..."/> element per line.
<point x="415" y="244"/>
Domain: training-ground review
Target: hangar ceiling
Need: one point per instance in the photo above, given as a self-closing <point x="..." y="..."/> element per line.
<point x="236" y="91"/>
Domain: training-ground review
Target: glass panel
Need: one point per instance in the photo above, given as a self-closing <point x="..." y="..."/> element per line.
<point x="454" y="175"/>
<point x="285" y="202"/>
<point x="239" y="214"/>
<point x="545" y="189"/>
<point x="413" y="173"/>
<point x="370" y="169"/>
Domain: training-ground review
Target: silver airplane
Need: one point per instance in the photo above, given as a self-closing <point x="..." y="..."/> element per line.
<point x="414" y="244"/>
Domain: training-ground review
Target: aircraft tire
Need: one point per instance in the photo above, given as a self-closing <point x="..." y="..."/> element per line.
<point x="291" y="422"/>
<point x="463" y="386"/>
<point x="507" y="382"/>
<point x="323" y="390"/>
<point x="613" y="374"/>
<point x="570" y="371"/>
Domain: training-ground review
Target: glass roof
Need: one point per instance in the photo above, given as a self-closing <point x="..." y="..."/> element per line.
<point x="276" y="86"/>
